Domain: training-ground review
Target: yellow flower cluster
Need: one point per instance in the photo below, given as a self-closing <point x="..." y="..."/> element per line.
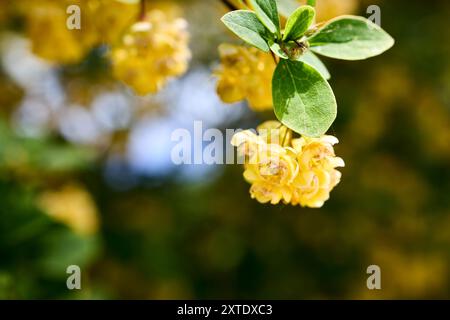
<point x="152" y="51"/>
<point x="245" y="73"/>
<point x="281" y="169"/>
<point x="101" y="21"/>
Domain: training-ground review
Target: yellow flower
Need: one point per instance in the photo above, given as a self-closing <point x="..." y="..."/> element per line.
<point x="269" y="167"/>
<point x="317" y="174"/>
<point x="297" y="171"/>
<point x="245" y="73"/>
<point x="151" y="52"/>
<point x="271" y="174"/>
<point x="73" y="206"/>
<point x="317" y="152"/>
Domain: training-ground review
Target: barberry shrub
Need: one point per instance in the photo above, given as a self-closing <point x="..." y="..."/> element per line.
<point x="300" y="171"/>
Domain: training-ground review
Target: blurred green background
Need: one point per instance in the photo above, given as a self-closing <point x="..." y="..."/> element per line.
<point x="86" y="177"/>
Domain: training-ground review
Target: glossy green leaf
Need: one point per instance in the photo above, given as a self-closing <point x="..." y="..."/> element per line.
<point x="314" y="61"/>
<point x="303" y="99"/>
<point x="350" y="38"/>
<point x="299" y="22"/>
<point x="245" y="24"/>
<point x="267" y="12"/>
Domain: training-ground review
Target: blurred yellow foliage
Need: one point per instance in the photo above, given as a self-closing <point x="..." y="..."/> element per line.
<point x="73" y="206"/>
<point x="408" y="275"/>
<point x="328" y="9"/>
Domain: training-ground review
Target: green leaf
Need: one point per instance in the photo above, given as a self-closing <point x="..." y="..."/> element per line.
<point x="314" y="61"/>
<point x="298" y="23"/>
<point x="303" y="99"/>
<point x="350" y="38"/>
<point x="246" y="25"/>
<point x="267" y="12"/>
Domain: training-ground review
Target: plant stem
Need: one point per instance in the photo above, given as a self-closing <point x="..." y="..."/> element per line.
<point x="274" y="57"/>
<point x="311" y="3"/>
<point x="285" y="136"/>
<point x="142" y="10"/>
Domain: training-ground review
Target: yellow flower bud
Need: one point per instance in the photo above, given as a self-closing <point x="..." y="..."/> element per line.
<point x="245" y="73"/>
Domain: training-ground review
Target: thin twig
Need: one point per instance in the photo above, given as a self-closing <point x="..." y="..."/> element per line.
<point x="142" y="10"/>
<point x="274" y="57"/>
